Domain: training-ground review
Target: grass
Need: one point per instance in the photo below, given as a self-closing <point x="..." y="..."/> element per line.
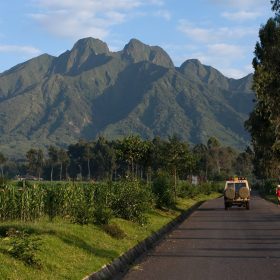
<point x="71" y="251"/>
<point x="270" y="197"/>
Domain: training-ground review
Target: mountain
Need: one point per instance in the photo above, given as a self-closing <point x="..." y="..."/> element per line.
<point x="90" y="91"/>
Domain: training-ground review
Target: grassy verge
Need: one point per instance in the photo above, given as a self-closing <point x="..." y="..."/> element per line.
<point x="270" y="197"/>
<point x="71" y="251"/>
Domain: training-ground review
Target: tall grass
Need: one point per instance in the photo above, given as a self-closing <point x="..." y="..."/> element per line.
<point x="80" y="203"/>
<point x="85" y="203"/>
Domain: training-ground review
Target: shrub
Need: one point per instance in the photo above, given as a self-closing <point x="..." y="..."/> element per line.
<point x="130" y="200"/>
<point x="186" y="189"/>
<point x="102" y="215"/>
<point x="81" y="204"/>
<point x="3" y="181"/>
<point x="24" y="247"/>
<point x="115" y="231"/>
<point x="268" y="186"/>
<point x="163" y="190"/>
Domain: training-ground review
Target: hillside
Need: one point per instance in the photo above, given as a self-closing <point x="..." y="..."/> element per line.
<point x="90" y="91"/>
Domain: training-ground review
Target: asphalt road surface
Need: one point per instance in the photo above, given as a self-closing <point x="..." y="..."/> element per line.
<point x="217" y="244"/>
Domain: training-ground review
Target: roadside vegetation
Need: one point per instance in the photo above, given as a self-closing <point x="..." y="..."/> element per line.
<point x="264" y="121"/>
<point x="267" y="189"/>
<point x="89" y="203"/>
<point x="130" y="157"/>
<point x="68" y="230"/>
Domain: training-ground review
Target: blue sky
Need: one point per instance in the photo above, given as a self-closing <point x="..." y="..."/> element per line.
<point x="220" y="33"/>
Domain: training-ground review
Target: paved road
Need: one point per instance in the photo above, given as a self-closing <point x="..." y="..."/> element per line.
<point x="217" y="244"/>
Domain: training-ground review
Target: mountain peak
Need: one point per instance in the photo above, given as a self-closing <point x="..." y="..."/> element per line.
<point x="136" y="51"/>
<point x="82" y="56"/>
<point x="91" y="44"/>
<point x="207" y="74"/>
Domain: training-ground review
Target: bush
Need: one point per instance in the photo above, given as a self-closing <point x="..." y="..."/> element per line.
<point x="3" y="181"/>
<point x="163" y="189"/>
<point x="24" y="247"/>
<point x="186" y="189"/>
<point x="268" y="186"/>
<point x="114" y="231"/>
<point x="102" y="215"/>
<point x="81" y="204"/>
<point x="130" y="200"/>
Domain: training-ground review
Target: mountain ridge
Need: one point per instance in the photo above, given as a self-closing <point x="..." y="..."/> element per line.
<point x="89" y="91"/>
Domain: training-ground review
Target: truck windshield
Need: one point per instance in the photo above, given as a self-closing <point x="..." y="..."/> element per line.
<point x="238" y="186"/>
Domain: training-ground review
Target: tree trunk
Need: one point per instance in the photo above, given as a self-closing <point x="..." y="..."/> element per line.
<point x="175" y="183"/>
<point x="88" y="169"/>
<point x="60" y="173"/>
<point x="218" y="166"/>
<point x="132" y="168"/>
<point x="52" y="174"/>
<point x="2" y="174"/>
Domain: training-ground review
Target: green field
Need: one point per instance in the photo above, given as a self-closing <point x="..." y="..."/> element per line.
<point x="72" y="251"/>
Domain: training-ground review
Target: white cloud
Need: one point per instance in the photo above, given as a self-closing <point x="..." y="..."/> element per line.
<point x="156" y="2"/>
<point x="76" y="19"/>
<point x="165" y="14"/>
<point x="241" y="15"/>
<point x="242" y="4"/>
<point x="226" y="50"/>
<point x="211" y="35"/>
<point x="224" y="57"/>
<point x="25" y="50"/>
<point x="234" y="73"/>
<point x="195" y="33"/>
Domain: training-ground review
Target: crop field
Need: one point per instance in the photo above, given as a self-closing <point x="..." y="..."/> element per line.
<point x="67" y="231"/>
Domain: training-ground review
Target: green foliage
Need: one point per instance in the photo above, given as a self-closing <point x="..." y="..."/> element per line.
<point x="81" y="204"/>
<point x="24" y="247"/>
<point x="102" y="214"/>
<point x="35" y="158"/>
<point x="186" y="189"/>
<point x="114" y="230"/>
<point x="3" y="181"/>
<point x="25" y="204"/>
<point x="163" y="189"/>
<point x="267" y="187"/>
<point x="263" y="123"/>
<point x="71" y="251"/>
<point x="130" y="200"/>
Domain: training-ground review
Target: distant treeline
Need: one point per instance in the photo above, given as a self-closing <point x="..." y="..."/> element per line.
<point x="132" y="158"/>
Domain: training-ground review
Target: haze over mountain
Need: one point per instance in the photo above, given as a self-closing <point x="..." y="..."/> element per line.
<point x="90" y="91"/>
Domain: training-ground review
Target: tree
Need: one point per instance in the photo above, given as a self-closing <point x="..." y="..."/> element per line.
<point x="63" y="159"/>
<point x="35" y="159"/>
<point x="276" y="7"/>
<point x="131" y="150"/>
<point x="104" y="161"/>
<point x="177" y="158"/>
<point x="244" y="163"/>
<point x="264" y="121"/>
<point x="213" y="157"/>
<point x="53" y="158"/>
<point x="200" y="152"/>
<point x="75" y="153"/>
<point x="87" y="155"/>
